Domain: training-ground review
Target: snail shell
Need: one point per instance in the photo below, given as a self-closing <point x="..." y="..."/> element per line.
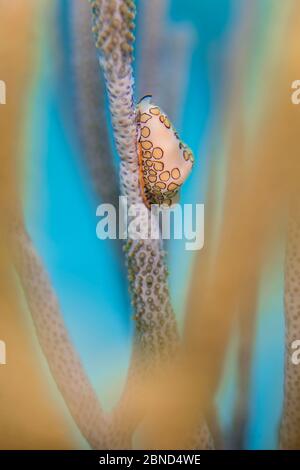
<point x="164" y="160"/>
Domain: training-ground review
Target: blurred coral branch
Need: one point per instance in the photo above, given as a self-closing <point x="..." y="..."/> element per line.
<point x="165" y="52"/>
<point x="89" y="103"/>
<point x="255" y="209"/>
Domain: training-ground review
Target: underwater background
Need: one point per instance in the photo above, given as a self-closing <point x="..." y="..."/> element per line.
<point x="60" y="203"/>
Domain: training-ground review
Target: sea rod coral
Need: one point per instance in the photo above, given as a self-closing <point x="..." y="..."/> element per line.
<point x="290" y="425"/>
<point x="61" y="355"/>
<point x="156" y="336"/>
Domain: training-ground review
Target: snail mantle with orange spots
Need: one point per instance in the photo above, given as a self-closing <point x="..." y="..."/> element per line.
<point x="164" y="160"/>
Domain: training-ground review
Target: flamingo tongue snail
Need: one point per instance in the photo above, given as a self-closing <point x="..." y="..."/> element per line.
<point x="164" y="160"/>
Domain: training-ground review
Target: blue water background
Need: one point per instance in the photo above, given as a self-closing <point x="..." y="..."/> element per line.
<point x="86" y="273"/>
